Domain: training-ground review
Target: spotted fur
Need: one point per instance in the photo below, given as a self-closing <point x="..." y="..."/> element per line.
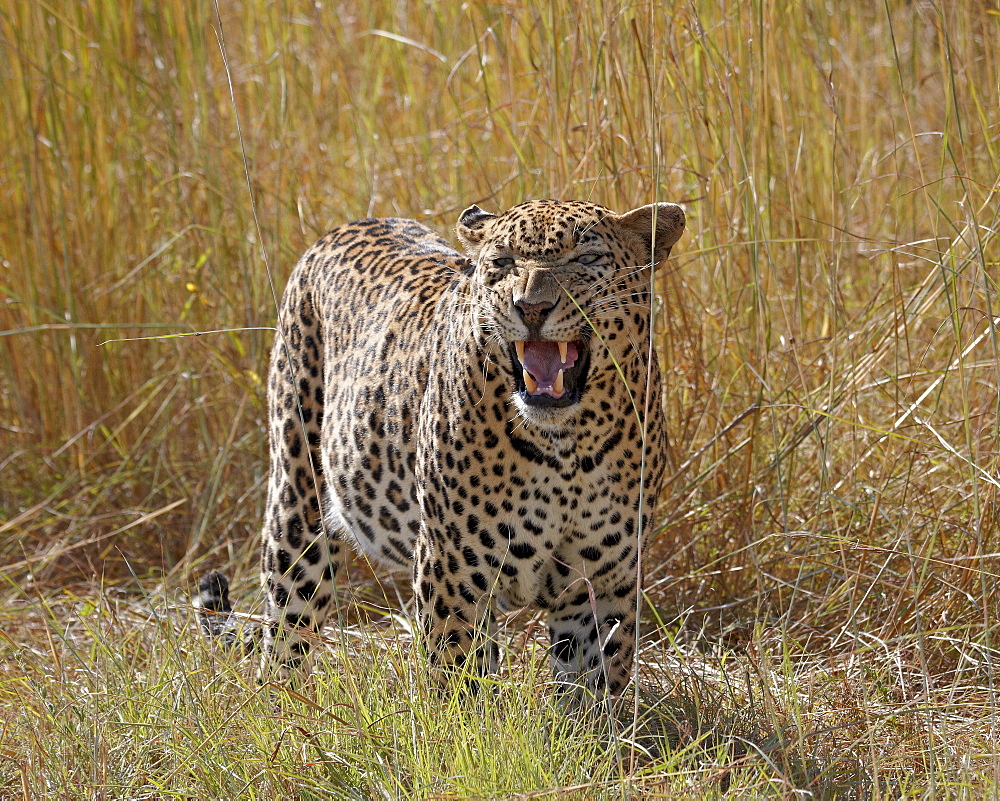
<point x="403" y="423"/>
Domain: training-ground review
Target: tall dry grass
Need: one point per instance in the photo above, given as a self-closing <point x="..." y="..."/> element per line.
<point x="828" y="325"/>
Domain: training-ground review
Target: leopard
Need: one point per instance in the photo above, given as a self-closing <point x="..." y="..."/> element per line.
<point x="489" y="423"/>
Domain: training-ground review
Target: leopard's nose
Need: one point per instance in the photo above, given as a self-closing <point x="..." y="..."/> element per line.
<point x="534" y="313"/>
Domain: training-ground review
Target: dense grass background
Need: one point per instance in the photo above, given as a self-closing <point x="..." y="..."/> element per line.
<point x="822" y="590"/>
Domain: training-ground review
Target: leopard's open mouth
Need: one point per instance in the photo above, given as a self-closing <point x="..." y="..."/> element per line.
<point x="548" y="373"/>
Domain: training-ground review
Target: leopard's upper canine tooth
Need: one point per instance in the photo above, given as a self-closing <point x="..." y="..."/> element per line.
<point x="529" y="383"/>
<point x="563" y="347"/>
<point x="519" y="345"/>
<point x="558" y="385"/>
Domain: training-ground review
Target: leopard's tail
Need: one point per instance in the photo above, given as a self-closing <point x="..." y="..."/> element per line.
<point x="215" y="614"/>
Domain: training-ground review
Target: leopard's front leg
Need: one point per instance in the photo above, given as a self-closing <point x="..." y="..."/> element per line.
<point x="453" y="604"/>
<point x="593" y="639"/>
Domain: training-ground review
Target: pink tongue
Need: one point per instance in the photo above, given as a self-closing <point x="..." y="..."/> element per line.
<point x="541" y="359"/>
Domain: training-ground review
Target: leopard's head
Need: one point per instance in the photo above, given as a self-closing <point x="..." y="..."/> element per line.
<point x="561" y="289"/>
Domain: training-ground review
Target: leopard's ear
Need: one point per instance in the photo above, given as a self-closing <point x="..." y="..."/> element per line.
<point x="471" y="228"/>
<point x="668" y="220"/>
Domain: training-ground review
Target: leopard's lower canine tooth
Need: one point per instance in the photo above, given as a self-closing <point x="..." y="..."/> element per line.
<point x="558" y="385"/>
<point x="529" y="383"/>
<point x="563" y="347"/>
<point x="519" y="345"/>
